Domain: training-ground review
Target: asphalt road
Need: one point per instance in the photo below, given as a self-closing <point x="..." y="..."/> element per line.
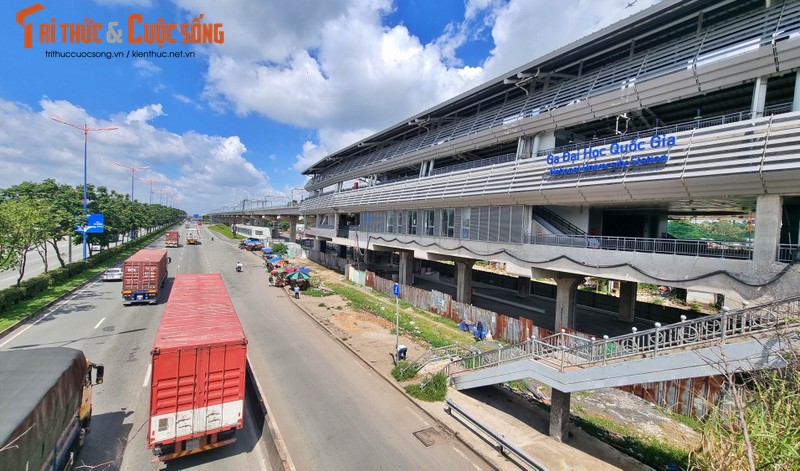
<point x="95" y="321"/>
<point x="333" y="411"/>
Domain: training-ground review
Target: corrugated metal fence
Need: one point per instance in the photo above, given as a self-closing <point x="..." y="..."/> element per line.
<point x="689" y="397"/>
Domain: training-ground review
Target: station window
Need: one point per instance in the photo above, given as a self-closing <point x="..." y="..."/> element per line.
<point x="428" y="222"/>
<point x="465" y="219"/>
<point x="448" y="222"/>
<point x="411" y="222"/>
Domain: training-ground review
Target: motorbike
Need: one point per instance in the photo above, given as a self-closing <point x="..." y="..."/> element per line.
<point x="239" y="267"/>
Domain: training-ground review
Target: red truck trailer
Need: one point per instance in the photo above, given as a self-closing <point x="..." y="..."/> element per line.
<point x="199" y="362"/>
<point x="143" y="275"/>
<point x="173" y="239"/>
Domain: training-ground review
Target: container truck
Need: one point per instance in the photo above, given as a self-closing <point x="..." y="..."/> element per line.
<point x="173" y="239"/>
<point x="192" y="236"/>
<point x="143" y="276"/>
<point x="45" y="406"/>
<point x="199" y="360"/>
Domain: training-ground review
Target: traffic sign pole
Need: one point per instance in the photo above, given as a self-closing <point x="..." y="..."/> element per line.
<point x="397" y="316"/>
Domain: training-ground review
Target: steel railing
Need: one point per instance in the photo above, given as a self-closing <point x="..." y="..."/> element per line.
<point x="563" y="350"/>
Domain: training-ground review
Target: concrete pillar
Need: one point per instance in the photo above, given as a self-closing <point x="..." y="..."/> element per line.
<point x="293" y="228"/>
<point x="796" y="100"/>
<point x="317" y="245"/>
<point x="406" y="275"/>
<point x="566" y="292"/>
<point x="768" y="230"/>
<point x="759" y="97"/>
<point x="559" y="415"/>
<point x="464" y="280"/>
<point x="627" y="301"/>
<point x="524" y="287"/>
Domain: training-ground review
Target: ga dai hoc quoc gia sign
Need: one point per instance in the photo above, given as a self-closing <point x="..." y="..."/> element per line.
<point x="588" y="159"/>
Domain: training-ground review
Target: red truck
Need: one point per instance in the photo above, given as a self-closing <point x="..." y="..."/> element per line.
<point x="173" y="239"/>
<point x="199" y="360"/>
<point x="143" y="275"/>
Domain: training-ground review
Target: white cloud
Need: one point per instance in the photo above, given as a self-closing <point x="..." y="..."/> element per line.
<point x="146" y="68"/>
<point x="213" y="170"/>
<point x="335" y="68"/>
<point x="145" y="114"/>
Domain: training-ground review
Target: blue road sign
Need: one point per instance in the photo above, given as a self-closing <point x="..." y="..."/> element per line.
<point x="96" y="224"/>
<point x="397" y="289"/>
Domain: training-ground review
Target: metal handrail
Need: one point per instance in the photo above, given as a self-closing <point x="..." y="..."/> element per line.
<point x="563" y="350"/>
<point x="698" y="248"/>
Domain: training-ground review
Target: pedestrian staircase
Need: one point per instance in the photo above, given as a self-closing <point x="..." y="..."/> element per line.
<point x="743" y="340"/>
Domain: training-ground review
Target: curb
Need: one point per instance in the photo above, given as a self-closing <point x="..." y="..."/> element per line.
<point x="394" y="384"/>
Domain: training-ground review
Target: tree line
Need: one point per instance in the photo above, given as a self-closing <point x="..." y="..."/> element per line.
<point x="36" y="217"/>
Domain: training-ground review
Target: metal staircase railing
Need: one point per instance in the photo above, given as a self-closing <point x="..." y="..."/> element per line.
<point x="564" y="351"/>
<point x="557" y="221"/>
<point x="448" y="352"/>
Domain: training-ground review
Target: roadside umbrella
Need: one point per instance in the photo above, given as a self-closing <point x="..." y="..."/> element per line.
<point x="277" y="270"/>
<point x="298" y="276"/>
<point x="305" y="270"/>
<point x="275" y="259"/>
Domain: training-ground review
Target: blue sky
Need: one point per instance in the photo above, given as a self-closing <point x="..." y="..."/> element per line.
<point x="292" y="81"/>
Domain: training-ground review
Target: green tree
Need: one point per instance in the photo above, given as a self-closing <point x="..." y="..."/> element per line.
<point x="24" y="226"/>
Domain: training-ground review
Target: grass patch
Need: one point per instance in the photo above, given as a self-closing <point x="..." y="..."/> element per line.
<point x="404" y="370"/>
<point x="434" y="389"/>
<point x="436" y="330"/>
<point x="650" y="451"/>
<point x="224" y="230"/>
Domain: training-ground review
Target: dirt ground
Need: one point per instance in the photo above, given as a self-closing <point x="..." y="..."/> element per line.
<point x="372" y="338"/>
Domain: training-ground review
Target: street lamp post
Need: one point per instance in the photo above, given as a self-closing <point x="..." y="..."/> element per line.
<point x="151" y="180"/>
<point x="133" y="169"/>
<point x="86" y="130"/>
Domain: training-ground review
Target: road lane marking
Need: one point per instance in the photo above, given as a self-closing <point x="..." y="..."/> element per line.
<point x="50" y="311"/>
<point x="466" y="458"/>
<point x="98" y="324"/>
<point x="421" y="419"/>
<point x="147" y="375"/>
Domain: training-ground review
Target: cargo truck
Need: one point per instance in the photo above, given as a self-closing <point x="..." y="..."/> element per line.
<point x="192" y="236"/>
<point x="143" y="276"/>
<point x="45" y="407"/>
<point x="173" y="239"/>
<point x="199" y="360"/>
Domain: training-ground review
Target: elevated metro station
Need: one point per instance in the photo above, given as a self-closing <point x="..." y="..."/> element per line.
<point x="571" y="166"/>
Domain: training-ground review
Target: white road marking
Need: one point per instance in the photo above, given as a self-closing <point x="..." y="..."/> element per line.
<point x="466" y="458"/>
<point x="147" y="375"/>
<point x="56" y="306"/>
<point x="98" y="324"/>
<point x="421" y="419"/>
<point x="360" y="365"/>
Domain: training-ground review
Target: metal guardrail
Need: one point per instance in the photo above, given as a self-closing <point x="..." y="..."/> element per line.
<point x="698" y="248"/>
<point x="503" y="444"/>
<point x="562" y="350"/>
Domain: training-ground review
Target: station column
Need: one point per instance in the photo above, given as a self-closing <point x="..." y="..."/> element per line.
<point x="627" y="301"/>
<point x="566" y="292"/>
<point x="768" y="230"/>
<point x="406" y="275"/>
<point x="464" y="280"/>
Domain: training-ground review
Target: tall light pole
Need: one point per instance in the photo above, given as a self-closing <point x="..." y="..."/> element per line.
<point x="86" y="130"/>
<point x="151" y="180"/>
<point x="133" y="169"/>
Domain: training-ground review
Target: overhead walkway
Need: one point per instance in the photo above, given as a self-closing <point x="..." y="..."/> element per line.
<point x="743" y="340"/>
<point x="734" y="341"/>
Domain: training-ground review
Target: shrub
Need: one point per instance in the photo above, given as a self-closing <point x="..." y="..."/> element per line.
<point x="404" y="370"/>
<point x="10" y="296"/>
<point x="35" y="285"/>
<point x="432" y="390"/>
<point x="58" y="275"/>
<point x="280" y="248"/>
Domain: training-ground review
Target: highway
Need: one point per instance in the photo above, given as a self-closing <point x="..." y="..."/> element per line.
<point x="333" y="411"/>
